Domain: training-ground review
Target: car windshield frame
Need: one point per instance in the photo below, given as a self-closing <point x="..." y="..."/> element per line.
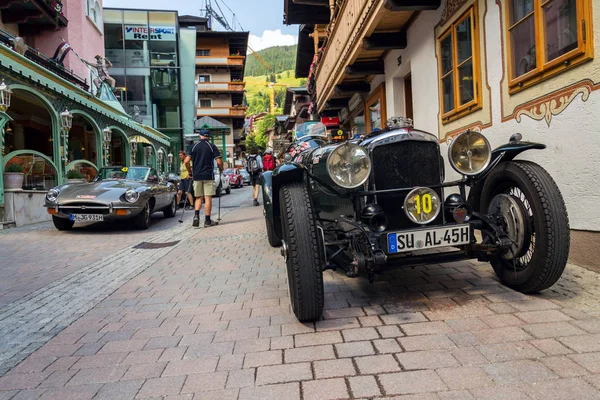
<point x="136" y="174"/>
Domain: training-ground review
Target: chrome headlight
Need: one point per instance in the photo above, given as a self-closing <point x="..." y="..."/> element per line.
<point x="52" y="195"/>
<point x="470" y="153"/>
<point x="349" y="165"/>
<point x="131" y="196"/>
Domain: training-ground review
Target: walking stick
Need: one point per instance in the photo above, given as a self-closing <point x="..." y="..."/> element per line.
<point x="185" y="202"/>
<point x="219" y="217"/>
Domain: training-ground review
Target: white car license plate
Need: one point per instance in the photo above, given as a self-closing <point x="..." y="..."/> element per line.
<point x="455" y="235"/>
<point x="86" y="217"/>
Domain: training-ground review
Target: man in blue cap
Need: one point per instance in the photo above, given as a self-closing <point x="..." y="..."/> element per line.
<point x="203" y="154"/>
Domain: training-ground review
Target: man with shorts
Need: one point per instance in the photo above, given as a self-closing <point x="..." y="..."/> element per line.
<point x="203" y="155"/>
<point x="185" y="184"/>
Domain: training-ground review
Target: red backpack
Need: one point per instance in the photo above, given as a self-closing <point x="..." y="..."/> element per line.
<point x="268" y="162"/>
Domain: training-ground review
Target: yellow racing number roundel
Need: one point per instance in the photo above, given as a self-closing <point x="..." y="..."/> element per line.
<point x="422" y="205"/>
<point x="124" y="169"/>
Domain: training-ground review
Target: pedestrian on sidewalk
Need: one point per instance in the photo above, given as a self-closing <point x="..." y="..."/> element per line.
<point x="185" y="184"/>
<point x="268" y="160"/>
<point x="202" y="157"/>
<point x="254" y="166"/>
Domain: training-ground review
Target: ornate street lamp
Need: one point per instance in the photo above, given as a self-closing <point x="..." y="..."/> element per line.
<point x="170" y="160"/>
<point x="107" y="138"/>
<point x="148" y="153"/>
<point x="66" y="123"/>
<point x="161" y="156"/>
<point x="133" y="142"/>
<point x="5" y="94"/>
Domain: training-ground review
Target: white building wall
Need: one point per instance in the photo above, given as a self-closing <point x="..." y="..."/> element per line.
<point x="572" y="156"/>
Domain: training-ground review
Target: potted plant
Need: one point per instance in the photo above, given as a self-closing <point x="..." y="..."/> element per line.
<point x="13" y="176"/>
<point x="75" y="177"/>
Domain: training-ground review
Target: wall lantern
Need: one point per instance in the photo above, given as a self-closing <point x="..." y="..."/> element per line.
<point x="148" y="153"/>
<point x="133" y="143"/>
<point x="107" y="135"/>
<point x="161" y="156"/>
<point x="5" y="95"/>
<point x="66" y="120"/>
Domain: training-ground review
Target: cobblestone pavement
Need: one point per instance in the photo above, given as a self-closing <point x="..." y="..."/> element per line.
<point x="38" y="314"/>
<point x="211" y="320"/>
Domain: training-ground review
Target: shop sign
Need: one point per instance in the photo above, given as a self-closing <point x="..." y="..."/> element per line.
<point x="143" y="32"/>
<point x="330" y="121"/>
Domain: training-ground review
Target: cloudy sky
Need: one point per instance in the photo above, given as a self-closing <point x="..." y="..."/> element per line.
<point x="262" y="18"/>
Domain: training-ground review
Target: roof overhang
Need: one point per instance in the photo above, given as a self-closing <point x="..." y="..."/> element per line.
<point x="305" y="12"/>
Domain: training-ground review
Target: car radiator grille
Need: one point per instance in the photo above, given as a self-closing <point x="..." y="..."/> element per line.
<point x="405" y="164"/>
<point x="84" y="208"/>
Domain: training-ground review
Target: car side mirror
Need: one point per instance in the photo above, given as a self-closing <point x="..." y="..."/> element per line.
<point x="153" y="178"/>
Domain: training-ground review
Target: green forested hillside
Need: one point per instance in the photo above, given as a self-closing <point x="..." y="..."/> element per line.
<point x="280" y="58"/>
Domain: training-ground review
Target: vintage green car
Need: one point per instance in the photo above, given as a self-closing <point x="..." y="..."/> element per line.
<point x="117" y="193"/>
<point x="381" y="201"/>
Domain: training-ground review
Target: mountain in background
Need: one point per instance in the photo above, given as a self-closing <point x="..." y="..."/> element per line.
<point x="280" y="58"/>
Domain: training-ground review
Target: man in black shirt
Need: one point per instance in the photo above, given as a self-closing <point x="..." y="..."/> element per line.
<point x="203" y="154"/>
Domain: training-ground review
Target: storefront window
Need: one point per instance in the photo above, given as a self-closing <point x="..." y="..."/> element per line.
<point x="138" y="94"/>
<point x="358" y="124"/>
<point x="38" y="172"/>
<point x="136" y="33"/>
<point x="165" y="97"/>
<point x="163" y="39"/>
<point x="113" y="37"/>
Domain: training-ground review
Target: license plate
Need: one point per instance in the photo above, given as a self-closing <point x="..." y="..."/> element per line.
<point x="86" y="217"/>
<point x="421" y="239"/>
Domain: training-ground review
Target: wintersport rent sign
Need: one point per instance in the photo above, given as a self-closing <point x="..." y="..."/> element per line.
<point x="143" y="32"/>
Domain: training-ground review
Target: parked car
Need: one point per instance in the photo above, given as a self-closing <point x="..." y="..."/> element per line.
<point x="245" y="176"/>
<point x="222" y="181"/>
<point x="381" y="201"/>
<point x="117" y="193"/>
<point x="235" y="178"/>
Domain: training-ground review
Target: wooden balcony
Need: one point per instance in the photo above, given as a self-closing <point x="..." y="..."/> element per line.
<point x="220" y="62"/>
<point x="360" y="33"/>
<point x="221" y="87"/>
<point x="33" y="16"/>
<point x="224" y="112"/>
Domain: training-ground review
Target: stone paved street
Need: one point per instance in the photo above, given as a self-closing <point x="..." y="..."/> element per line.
<point x="209" y="318"/>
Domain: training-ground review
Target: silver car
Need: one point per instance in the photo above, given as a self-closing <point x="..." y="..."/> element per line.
<point x="117" y="193"/>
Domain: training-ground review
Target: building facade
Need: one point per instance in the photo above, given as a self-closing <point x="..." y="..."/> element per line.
<point x="143" y="47"/>
<point x="220" y="62"/>
<point x="52" y="124"/>
<point x="496" y="66"/>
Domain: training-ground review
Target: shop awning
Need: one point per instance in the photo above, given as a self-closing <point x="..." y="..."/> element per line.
<point x="140" y="139"/>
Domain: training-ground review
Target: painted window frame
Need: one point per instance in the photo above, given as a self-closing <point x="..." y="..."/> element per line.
<point x="377" y="94"/>
<point x="203" y="55"/>
<point x="545" y="70"/>
<point x="92" y="9"/>
<point x="205" y="99"/>
<point x="205" y="75"/>
<point x="459" y="110"/>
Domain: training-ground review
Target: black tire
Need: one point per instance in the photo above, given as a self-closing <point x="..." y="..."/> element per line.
<point x="62" y="224"/>
<point x="304" y="258"/>
<point x="544" y="260"/>
<point x="219" y="191"/>
<point x="274" y="241"/>
<point x="142" y="220"/>
<point x="228" y="190"/>
<point x="171" y="210"/>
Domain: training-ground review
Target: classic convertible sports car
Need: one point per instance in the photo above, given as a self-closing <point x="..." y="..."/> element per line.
<point x="117" y="193"/>
<point x="381" y="201"/>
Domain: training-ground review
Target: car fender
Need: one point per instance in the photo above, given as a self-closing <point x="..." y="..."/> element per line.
<point x="271" y="184"/>
<point x="504" y="153"/>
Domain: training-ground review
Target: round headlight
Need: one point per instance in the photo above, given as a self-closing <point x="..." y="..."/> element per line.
<point x="470" y="153"/>
<point x="422" y="205"/>
<point x="132" y="196"/>
<point x="52" y="194"/>
<point x="349" y="166"/>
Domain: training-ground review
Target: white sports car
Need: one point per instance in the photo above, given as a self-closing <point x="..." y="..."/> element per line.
<point x="222" y="181"/>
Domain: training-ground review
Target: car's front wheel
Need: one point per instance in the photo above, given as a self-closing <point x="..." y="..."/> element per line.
<point x="142" y="220"/>
<point x="527" y="204"/>
<point x="302" y="253"/>
<point x="228" y="190"/>
<point x="62" y="224"/>
<point x="170" y="211"/>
